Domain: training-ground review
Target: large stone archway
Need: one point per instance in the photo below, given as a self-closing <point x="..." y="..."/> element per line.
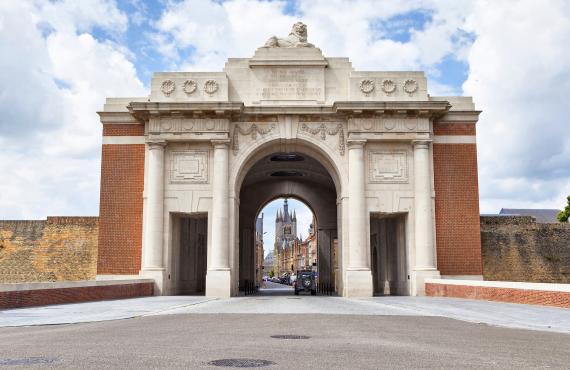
<point x="401" y="167"/>
<point x="291" y="175"/>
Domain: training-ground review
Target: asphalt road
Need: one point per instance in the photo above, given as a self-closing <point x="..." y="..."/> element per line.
<point x="186" y="341"/>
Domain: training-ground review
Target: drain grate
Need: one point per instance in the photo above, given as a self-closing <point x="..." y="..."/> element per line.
<point x="290" y="336"/>
<point x="28" y="361"/>
<point x="241" y="362"/>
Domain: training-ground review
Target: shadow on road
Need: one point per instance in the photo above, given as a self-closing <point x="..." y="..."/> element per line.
<point x="274" y="289"/>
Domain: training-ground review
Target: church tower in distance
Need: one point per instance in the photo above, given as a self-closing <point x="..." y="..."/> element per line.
<point x="285" y="235"/>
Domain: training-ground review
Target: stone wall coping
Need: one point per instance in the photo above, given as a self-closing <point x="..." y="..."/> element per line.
<point x="12" y="287"/>
<point x="549" y="287"/>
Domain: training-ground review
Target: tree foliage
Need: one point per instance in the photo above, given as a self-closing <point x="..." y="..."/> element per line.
<point x="565" y="214"/>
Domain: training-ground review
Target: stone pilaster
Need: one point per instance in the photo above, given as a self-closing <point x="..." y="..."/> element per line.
<point x="358" y="274"/>
<point x="218" y="277"/>
<point x="152" y="261"/>
<point x="425" y="265"/>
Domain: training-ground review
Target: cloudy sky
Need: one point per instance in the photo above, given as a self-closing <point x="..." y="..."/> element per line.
<point x="59" y="59"/>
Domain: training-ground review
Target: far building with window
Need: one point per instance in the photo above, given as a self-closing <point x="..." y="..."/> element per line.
<point x="259" y="255"/>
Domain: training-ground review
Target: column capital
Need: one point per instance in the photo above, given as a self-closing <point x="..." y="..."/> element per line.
<point x="421" y="144"/>
<point x="355" y="143"/>
<point x="220" y="143"/>
<point x="156" y="144"/>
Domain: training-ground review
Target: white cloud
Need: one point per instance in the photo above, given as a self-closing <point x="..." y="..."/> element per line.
<point x="55" y="74"/>
<point x="519" y="77"/>
<point x="54" y="77"/>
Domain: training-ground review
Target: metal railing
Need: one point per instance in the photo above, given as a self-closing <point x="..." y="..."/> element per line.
<point x="325" y="289"/>
<point x="249" y="287"/>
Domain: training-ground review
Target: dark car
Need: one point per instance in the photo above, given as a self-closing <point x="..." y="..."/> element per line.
<point x="305" y="282"/>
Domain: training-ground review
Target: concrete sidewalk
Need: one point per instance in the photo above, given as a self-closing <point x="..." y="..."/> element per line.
<point x="491" y="313"/>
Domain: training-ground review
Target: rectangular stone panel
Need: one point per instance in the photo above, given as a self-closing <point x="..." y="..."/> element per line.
<point x="388" y="167"/>
<point x="189" y="167"/>
<point x="288" y="83"/>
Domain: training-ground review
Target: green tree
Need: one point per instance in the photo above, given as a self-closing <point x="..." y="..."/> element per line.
<point x="565" y="214"/>
<point x="271" y="273"/>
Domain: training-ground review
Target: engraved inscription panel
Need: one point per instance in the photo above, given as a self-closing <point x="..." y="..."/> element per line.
<point x="388" y="167"/>
<point x="289" y="83"/>
<point x="189" y="167"/>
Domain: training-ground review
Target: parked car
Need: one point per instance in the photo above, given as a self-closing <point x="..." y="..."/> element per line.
<point x="305" y="282"/>
<point x="284" y="278"/>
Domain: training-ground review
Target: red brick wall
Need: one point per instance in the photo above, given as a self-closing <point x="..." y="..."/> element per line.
<point x="454" y="129"/>
<point x="123" y="130"/>
<point x="121" y="205"/>
<point x="42" y="297"/>
<point x="540" y="297"/>
<point x="458" y="235"/>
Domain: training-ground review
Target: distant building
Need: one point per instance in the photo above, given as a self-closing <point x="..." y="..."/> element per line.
<point x="268" y="263"/>
<point x="542" y="216"/>
<point x="308" y="258"/>
<point x="259" y="260"/>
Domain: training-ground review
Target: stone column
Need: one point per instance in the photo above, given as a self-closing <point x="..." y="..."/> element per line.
<point x="218" y="282"/>
<point x="423" y="220"/>
<point x="358" y="275"/>
<point x="152" y="263"/>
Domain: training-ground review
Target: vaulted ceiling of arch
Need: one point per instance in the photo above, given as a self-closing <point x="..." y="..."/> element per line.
<point x="303" y="168"/>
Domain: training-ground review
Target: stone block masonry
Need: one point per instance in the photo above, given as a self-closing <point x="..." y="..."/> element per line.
<point x="515" y="248"/>
<point x="56" y="249"/>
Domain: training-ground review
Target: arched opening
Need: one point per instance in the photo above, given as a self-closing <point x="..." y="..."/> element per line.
<point x="293" y="174"/>
<point x="286" y="241"/>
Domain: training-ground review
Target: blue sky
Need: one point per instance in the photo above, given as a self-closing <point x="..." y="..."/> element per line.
<point x="61" y="58"/>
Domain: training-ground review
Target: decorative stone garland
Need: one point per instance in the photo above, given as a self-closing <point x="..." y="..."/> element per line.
<point x="253" y="130"/>
<point x="323" y="131"/>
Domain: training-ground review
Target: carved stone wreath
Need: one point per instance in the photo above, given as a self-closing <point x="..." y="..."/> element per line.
<point x="323" y="132"/>
<point x="388" y="86"/>
<point x="189" y="86"/>
<point x="253" y="130"/>
<point x="210" y="87"/>
<point x="167" y="87"/>
<point x="410" y="86"/>
<point x="367" y="86"/>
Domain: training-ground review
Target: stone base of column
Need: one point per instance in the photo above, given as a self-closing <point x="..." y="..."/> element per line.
<point x="358" y="283"/>
<point x="157" y="274"/>
<point x="418" y="280"/>
<point x="218" y="283"/>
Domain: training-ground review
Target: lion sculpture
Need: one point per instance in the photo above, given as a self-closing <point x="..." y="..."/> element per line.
<point x="296" y="39"/>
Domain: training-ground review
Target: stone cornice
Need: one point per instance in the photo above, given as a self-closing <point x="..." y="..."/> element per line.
<point x="142" y="111"/>
<point x="460" y="117"/>
<point x="419" y="108"/>
<point x="117" y="118"/>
